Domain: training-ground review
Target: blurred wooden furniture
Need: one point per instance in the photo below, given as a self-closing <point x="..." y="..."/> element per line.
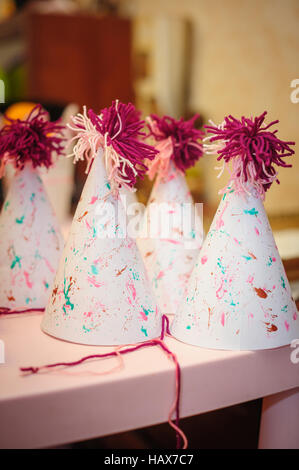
<point x="79" y="58"/>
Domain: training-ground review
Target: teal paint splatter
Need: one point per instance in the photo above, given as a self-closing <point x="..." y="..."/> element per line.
<point x="94" y="231"/>
<point x="188" y="327"/>
<point x="144" y="331"/>
<point x="27" y="300"/>
<point x="192" y="233"/>
<point x="147" y="311"/>
<point x="284" y="309"/>
<point x="32" y="197"/>
<point x="283" y="282"/>
<point x="94" y="269"/>
<point x="46" y="285"/>
<point x="17" y="260"/>
<point x="20" y="220"/>
<point x="108" y="185"/>
<point x="6" y="205"/>
<point x="135" y="275"/>
<point x="87" y="330"/>
<point x="247" y="257"/>
<point x="67" y="297"/>
<point x="228" y="192"/>
<point x="270" y="261"/>
<point x="251" y="211"/>
<point x="220" y="265"/>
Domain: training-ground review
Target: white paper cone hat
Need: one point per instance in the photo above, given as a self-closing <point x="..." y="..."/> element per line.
<point x="101" y="293"/>
<point x="30" y="243"/>
<point x="170" y="251"/>
<point x="170" y="246"/>
<point x="239" y="296"/>
<point x="30" y="238"/>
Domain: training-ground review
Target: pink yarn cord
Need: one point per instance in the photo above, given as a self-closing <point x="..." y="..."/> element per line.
<point x="155" y="342"/>
<point x="9" y="311"/>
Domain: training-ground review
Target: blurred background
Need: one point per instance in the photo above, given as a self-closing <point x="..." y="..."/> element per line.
<point x="169" y="57"/>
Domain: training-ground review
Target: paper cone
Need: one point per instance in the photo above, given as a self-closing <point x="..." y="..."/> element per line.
<point x="239" y="296"/>
<point x="101" y="293"/>
<point x="170" y="257"/>
<point x="30" y="243"/>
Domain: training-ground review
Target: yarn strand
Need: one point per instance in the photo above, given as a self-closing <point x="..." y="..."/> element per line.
<point x="130" y="348"/>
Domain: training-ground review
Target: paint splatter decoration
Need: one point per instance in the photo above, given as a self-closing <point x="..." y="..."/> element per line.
<point x="252" y="149"/>
<point x="177" y="141"/>
<point x="33" y="139"/>
<point x="117" y="131"/>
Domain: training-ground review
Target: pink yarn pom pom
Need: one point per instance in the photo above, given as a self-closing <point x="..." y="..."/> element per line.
<point x="30" y="140"/>
<point x="183" y="138"/>
<point x="121" y="126"/>
<point x="252" y="149"/>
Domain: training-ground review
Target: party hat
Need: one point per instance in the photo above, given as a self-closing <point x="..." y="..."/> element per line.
<point x="239" y="296"/>
<point x="30" y="238"/>
<point x="170" y="249"/>
<point x="101" y="293"/>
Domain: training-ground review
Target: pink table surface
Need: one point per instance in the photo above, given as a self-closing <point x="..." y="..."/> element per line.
<point x="55" y="408"/>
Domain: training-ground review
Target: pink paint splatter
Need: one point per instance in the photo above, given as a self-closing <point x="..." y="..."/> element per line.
<point x="160" y="275"/>
<point x="237" y="241"/>
<point x="49" y="265"/>
<point x="222" y="319"/>
<point x="295" y="316"/>
<point x="256" y="230"/>
<point x="143" y="316"/>
<point x="175" y="242"/>
<point x="88" y="314"/>
<point x="250" y="279"/>
<point x="87" y="225"/>
<point x="131" y="288"/>
<point x="219" y="290"/>
<point x="219" y="222"/>
<point x="93" y="199"/>
<point x="28" y="283"/>
<point x="286" y="324"/>
<point x="250" y="315"/>
<point x="204" y="259"/>
<point x="94" y="282"/>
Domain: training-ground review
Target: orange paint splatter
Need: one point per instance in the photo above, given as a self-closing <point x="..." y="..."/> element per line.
<point x="261" y="293"/>
<point x="81" y="216"/>
<point x="270" y="327"/>
<point x="121" y="271"/>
